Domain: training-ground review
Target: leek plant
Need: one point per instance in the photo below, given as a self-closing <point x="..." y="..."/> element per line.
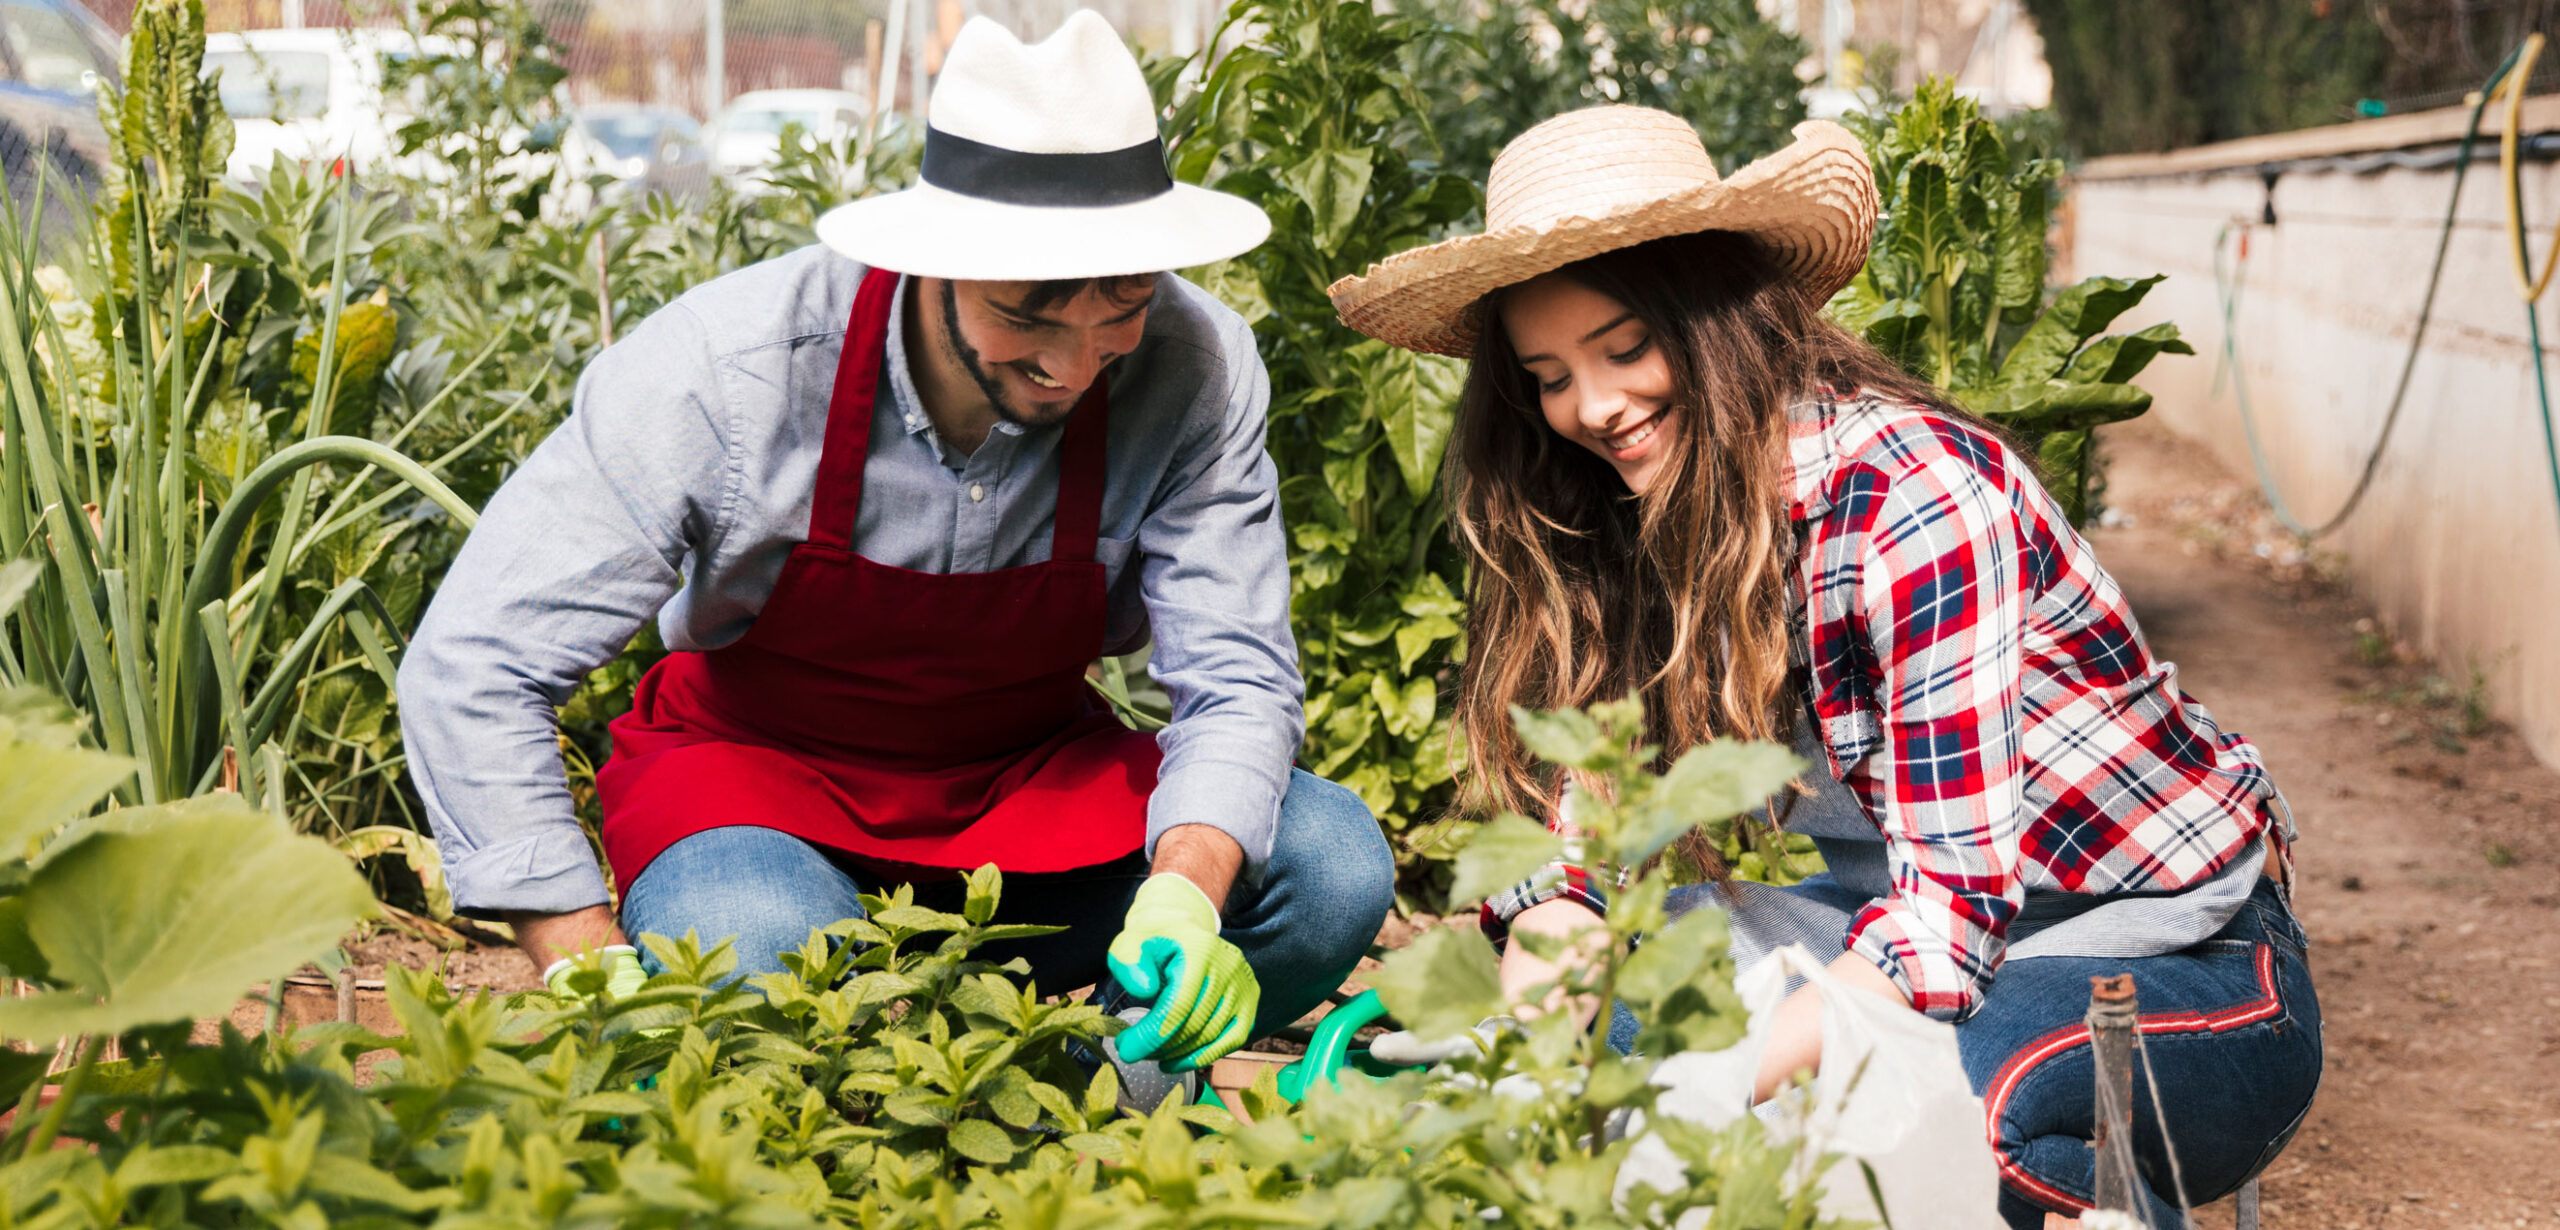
<point x="165" y="546"/>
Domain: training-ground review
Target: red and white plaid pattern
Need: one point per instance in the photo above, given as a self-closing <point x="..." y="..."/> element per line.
<point x="1984" y="691"/>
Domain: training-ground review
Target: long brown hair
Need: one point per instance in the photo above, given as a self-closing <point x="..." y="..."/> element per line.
<point x="1580" y="591"/>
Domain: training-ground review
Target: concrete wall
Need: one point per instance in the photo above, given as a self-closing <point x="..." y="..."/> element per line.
<point x="2458" y="542"/>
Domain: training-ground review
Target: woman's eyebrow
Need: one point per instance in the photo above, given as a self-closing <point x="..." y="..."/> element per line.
<point x="1595" y="334"/>
<point x="1587" y="338"/>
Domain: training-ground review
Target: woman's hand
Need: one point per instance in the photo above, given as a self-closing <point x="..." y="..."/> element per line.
<point x="1795" y="1037"/>
<point x="1565" y="920"/>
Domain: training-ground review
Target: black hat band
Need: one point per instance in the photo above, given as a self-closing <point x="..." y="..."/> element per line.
<point x="1011" y="177"/>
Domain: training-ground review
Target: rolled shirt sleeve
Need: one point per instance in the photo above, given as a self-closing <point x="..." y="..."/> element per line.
<point x="576" y="551"/>
<point x="1944" y="583"/>
<point x="1215" y="578"/>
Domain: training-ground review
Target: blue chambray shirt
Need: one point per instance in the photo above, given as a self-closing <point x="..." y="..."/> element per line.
<point x="683" y="477"/>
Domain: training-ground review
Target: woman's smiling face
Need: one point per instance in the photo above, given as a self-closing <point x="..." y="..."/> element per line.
<point x="1602" y="380"/>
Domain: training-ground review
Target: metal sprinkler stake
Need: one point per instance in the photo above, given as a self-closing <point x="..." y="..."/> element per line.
<point x="2111" y="1025"/>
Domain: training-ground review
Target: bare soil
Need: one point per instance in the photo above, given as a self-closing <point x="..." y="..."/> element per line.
<point x="2426" y="864"/>
<point x="502" y="968"/>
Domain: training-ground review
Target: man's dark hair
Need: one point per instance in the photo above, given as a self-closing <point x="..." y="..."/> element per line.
<point x="1121" y="288"/>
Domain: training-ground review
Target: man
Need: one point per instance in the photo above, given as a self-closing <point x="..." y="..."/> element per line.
<point x="884" y="555"/>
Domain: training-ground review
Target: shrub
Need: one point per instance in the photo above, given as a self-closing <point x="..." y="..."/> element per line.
<point x="177" y="599"/>
<point x="1955" y="288"/>
<point x="1716" y="63"/>
<point x="889" y="1078"/>
<point x="2174" y="73"/>
<point x="1338" y="149"/>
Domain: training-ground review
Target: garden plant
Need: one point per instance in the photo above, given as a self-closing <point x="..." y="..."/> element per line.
<point x="887" y="1078"/>
<point x="186" y="371"/>
<point x="245" y="427"/>
<point x="1955" y="289"/>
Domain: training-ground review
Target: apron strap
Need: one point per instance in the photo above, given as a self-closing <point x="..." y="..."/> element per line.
<point x="1081" y="467"/>
<point x="848" y="441"/>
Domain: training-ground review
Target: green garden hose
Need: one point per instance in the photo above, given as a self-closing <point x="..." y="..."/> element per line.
<point x="2512" y="168"/>
<point x="2228" y="267"/>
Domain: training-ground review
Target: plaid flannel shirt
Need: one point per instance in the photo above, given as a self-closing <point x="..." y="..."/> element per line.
<point x="1982" y="688"/>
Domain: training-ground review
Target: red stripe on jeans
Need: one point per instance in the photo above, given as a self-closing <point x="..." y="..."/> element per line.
<point x="2005" y="1082"/>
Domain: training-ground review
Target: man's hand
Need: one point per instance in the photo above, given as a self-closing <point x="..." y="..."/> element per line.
<point x="1169" y="954"/>
<point x="546" y="938"/>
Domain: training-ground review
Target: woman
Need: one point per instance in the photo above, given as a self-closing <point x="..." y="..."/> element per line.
<point x="1673" y="475"/>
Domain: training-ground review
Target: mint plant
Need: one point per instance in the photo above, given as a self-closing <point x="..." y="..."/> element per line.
<point x="888" y="1077"/>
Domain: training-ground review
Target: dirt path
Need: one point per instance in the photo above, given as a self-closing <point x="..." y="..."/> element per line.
<point x="2427" y="861"/>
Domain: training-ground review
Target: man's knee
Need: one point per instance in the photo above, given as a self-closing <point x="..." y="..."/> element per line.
<point x="762" y="890"/>
<point x="1330" y="850"/>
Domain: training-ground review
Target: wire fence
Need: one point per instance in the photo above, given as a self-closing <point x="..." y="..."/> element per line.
<point x="658" y="51"/>
<point x="2441" y="50"/>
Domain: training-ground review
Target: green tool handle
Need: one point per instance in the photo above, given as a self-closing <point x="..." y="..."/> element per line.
<point x="1331" y="1046"/>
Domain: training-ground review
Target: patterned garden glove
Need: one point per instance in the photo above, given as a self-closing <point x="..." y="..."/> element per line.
<point x="1169" y="955"/>
<point x="621" y="963"/>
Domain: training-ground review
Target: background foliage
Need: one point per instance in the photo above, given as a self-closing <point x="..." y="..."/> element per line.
<point x="2171" y="73"/>
<point x="1317" y="117"/>
<point x="1955" y="289"/>
<point x="1717" y="63"/>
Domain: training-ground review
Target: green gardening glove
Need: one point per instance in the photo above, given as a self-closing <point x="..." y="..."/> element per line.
<point x="621" y="963"/>
<point x="1169" y="955"/>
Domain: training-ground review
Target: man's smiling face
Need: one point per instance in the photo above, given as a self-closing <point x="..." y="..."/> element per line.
<point x="1034" y="348"/>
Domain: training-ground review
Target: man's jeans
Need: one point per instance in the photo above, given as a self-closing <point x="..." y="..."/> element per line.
<point x="1327" y="887"/>
<point x="2233" y="1033"/>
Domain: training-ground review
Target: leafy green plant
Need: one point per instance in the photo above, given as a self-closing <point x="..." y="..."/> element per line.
<point x="891" y="1078"/>
<point x="134" y="918"/>
<point x="1955" y="288"/>
<point x="1716" y="63"/>
<point x="140" y="464"/>
<point x="1315" y="115"/>
<point x="1535" y="1152"/>
<point x="487" y="113"/>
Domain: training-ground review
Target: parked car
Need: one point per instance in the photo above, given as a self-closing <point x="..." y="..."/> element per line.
<point x="312" y="95"/>
<point x="642" y="150"/>
<point x="53" y="57"/>
<point x="746" y="137"/>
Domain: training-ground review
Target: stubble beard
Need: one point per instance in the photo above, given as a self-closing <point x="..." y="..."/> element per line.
<point x="997" y="397"/>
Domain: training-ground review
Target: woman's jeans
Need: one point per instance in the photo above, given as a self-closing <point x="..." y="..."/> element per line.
<point x="2232" y="1031"/>
<point x="1317" y="908"/>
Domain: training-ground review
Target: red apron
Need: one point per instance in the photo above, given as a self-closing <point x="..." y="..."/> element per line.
<point x="925" y="720"/>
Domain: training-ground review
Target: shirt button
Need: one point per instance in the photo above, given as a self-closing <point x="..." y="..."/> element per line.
<point x="977" y="492"/>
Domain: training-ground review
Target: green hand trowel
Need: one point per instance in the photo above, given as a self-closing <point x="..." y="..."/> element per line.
<point x="1330" y="1053"/>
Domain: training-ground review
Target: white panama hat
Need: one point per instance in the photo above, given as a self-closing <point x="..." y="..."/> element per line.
<point x="1041" y="162"/>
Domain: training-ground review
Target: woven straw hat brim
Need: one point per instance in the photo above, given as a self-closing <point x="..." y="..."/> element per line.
<point x="1812" y="204"/>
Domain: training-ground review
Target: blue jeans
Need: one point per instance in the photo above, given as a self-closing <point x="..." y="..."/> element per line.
<point x="1327" y="887"/>
<point x="2233" y="1031"/>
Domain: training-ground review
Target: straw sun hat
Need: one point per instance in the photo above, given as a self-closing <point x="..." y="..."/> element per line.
<point x="1603" y="178"/>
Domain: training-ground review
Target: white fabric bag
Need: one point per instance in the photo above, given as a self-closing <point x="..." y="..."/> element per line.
<point x="1890" y="1093"/>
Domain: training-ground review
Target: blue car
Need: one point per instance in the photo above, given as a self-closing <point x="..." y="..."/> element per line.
<point x="54" y="57"/>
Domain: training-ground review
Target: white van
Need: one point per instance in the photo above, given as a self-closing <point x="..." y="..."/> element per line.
<point x="746" y="137"/>
<point x="312" y="96"/>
